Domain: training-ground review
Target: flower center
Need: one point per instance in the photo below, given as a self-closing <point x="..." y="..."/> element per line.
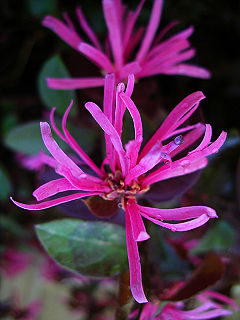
<point x="120" y="190"/>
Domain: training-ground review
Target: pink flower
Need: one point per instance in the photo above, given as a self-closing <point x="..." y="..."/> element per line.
<point x="153" y="55"/>
<point x="133" y="171"/>
<point x="28" y="312"/>
<point x="211" y="306"/>
<point x="13" y="262"/>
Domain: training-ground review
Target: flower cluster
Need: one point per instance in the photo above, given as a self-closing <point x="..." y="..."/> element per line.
<point x="207" y="308"/>
<point x="127" y="49"/>
<point x="133" y="168"/>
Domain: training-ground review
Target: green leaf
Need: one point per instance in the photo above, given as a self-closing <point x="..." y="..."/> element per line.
<point x="94" y="249"/>
<point x="5" y="184"/>
<point x="220" y="237"/>
<point x="55" y="68"/>
<point x="25" y="138"/>
<point x="40" y="8"/>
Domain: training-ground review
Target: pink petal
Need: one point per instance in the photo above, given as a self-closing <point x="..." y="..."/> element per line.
<point x="189" y="70"/>
<point x="114" y="31"/>
<point x="108" y="111"/>
<point x="183" y="213"/>
<point x="55" y="202"/>
<point x="134" y="263"/>
<point x="64" y="32"/>
<point x="132" y="67"/>
<point x="85" y="182"/>
<point x="36" y="162"/>
<point x="85" y="26"/>
<point x="180" y="57"/>
<point x="173" y="145"/>
<point x="52" y="187"/>
<point x="56" y="151"/>
<point x="120" y="109"/>
<point x="206" y="139"/>
<point x="130" y="85"/>
<point x="108" y="128"/>
<point x="177" y="168"/>
<point x="77" y="83"/>
<point x="96" y="56"/>
<point x="130" y="148"/>
<point x="176" y="117"/>
<point x="189" y="138"/>
<point x="135" y="39"/>
<point x="185" y="129"/>
<point x="74" y="145"/>
<point x="222" y="298"/>
<point x="182" y="226"/>
<point x="155" y="61"/>
<point x="145" y="164"/>
<point x="131" y="20"/>
<point x="151" y="29"/>
<point x="138" y="229"/>
<point x="164" y="31"/>
<point x="216" y="145"/>
<point x="208" y="315"/>
<point x="136" y="121"/>
<point x="55" y="128"/>
<point x="177" y="38"/>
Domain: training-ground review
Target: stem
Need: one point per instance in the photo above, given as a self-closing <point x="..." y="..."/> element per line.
<point x="125" y="300"/>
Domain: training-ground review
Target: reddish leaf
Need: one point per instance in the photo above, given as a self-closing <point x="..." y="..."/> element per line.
<point x="100" y="207"/>
<point x="207" y="273"/>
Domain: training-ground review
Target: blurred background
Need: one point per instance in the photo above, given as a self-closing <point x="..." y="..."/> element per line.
<point x="30" y="281"/>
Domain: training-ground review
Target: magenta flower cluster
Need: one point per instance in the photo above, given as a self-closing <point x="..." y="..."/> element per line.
<point x="128" y="49"/>
<point x="210" y="305"/>
<point x="133" y="168"/>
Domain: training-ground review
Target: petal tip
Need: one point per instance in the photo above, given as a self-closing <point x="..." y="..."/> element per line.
<point x="211" y="213"/>
<point x="143" y="236"/>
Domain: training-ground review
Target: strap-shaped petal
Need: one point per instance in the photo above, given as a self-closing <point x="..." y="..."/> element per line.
<point x="134" y="263"/>
<point x="74" y="145"/>
<point x="136" y="121"/>
<point x="108" y="128"/>
<point x="183" y="213"/>
<point x="63" y="31"/>
<point x="182" y="226"/>
<point x="56" y="151"/>
<point x="187" y="70"/>
<point x="96" y="56"/>
<point x="108" y="110"/>
<point x="114" y="30"/>
<point x="206" y="139"/>
<point x="145" y="164"/>
<point x="176" y="117"/>
<point x="130" y="23"/>
<point x="171" y="42"/>
<point x="53" y="187"/>
<point x="138" y="229"/>
<point x="88" y="30"/>
<point x="151" y="29"/>
<point x="72" y="84"/>
<point x="55" y="202"/>
<point x="176" y="169"/>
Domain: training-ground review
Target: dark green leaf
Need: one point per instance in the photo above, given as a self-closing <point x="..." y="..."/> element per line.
<point x="60" y="99"/>
<point x="39" y="8"/>
<point x="5" y="184"/>
<point x="25" y="138"/>
<point x="219" y="237"/>
<point x="94" y="249"/>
